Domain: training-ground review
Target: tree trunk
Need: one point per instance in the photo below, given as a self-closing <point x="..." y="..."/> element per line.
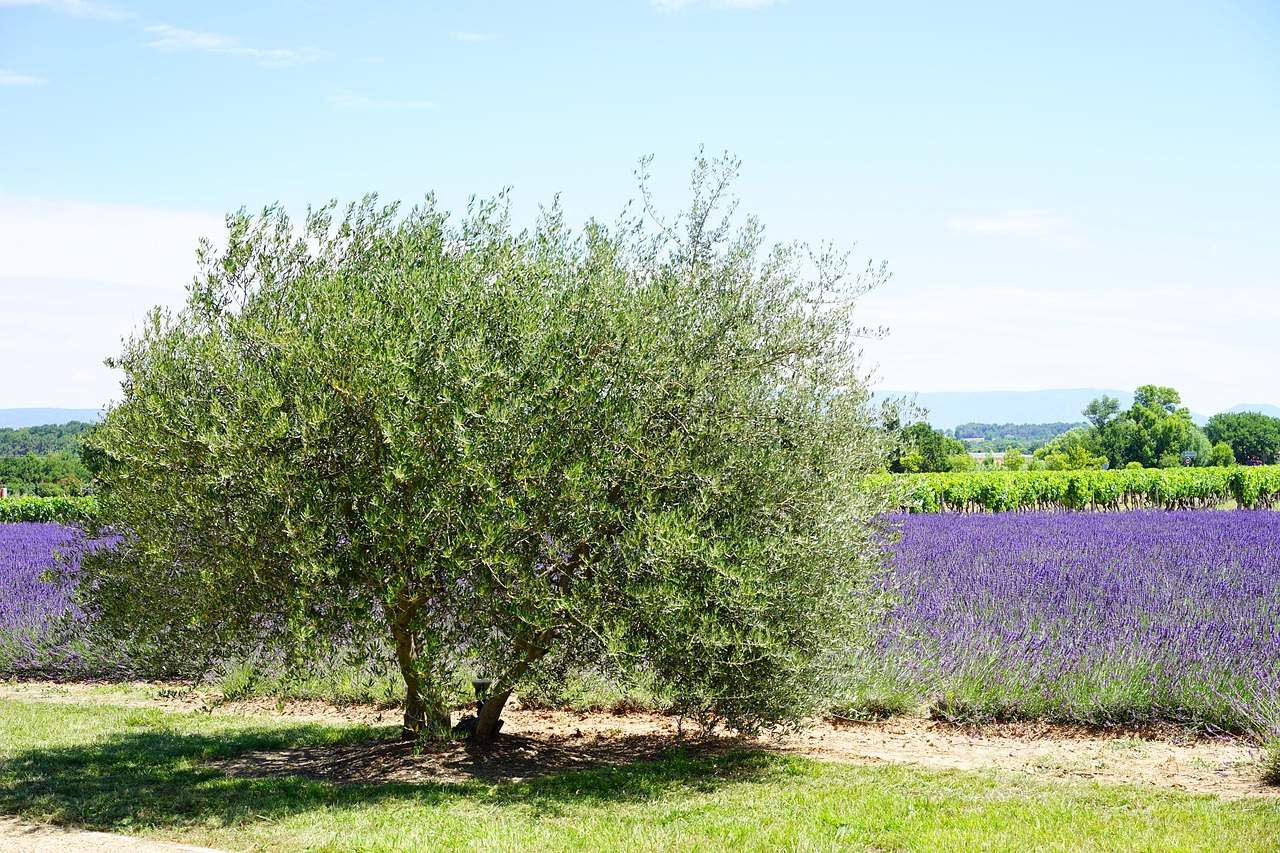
<point x="420" y="716"/>
<point x="489" y="717"/>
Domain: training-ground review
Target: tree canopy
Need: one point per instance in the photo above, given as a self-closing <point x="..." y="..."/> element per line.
<point x="1252" y="436"/>
<point x="42" y="440"/>
<point x="922" y="448"/>
<point x="1075" y="450"/>
<point x="999" y="437"/>
<point x="57" y="474"/>
<point x="635" y="444"/>
<point x="44" y="460"/>
<point x="1155" y="432"/>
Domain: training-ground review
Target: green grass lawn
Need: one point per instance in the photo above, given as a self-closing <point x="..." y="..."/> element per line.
<point x="143" y="771"/>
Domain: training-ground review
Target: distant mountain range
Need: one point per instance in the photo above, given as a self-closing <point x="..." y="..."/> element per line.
<point x="949" y="409"/>
<point x="1263" y="408"/>
<point x="19" y="418"/>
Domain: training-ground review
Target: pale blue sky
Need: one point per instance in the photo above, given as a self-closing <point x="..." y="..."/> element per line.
<point x="1069" y="195"/>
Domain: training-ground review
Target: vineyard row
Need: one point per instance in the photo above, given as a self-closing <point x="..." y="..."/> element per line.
<point x="1249" y="487"/>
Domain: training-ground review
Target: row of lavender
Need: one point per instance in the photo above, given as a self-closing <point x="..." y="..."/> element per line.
<point x="38" y="617"/>
<point x="1100" y="618"/>
<point x="1088" y="617"/>
<point x="43" y="632"/>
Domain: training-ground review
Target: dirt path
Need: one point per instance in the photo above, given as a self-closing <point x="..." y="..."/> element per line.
<point x="19" y="837"/>
<point x="539" y="742"/>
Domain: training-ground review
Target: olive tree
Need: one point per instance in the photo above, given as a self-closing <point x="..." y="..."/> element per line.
<point x="643" y="443"/>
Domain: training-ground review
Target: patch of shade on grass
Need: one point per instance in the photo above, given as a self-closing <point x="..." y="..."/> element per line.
<point x="144" y="771"/>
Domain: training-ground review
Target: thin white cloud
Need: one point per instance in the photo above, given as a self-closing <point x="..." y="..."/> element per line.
<point x="473" y="37"/>
<point x="77" y="8"/>
<point x="173" y="39"/>
<point x="9" y="78"/>
<point x="1040" y="225"/>
<point x="348" y="100"/>
<point x="677" y="5"/>
<point x="140" y="246"/>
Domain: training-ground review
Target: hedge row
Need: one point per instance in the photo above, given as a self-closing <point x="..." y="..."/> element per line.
<point x="60" y="510"/>
<point x="1250" y="487"/>
<point x="1166" y="488"/>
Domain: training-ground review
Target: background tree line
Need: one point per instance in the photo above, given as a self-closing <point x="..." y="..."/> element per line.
<point x="1155" y="432"/>
<point x="49" y="460"/>
<point x="45" y="460"/>
<point x="1001" y="437"/>
<point x="43" y="440"/>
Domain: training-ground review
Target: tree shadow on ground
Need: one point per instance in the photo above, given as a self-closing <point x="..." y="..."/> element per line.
<point x="161" y="778"/>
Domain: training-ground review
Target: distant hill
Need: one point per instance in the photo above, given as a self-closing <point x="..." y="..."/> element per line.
<point x="43" y="440"/>
<point x="1261" y="408"/>
<point x="994" y="438"/>
<point x="18" y="418"/>
<point x="949" y="409"/>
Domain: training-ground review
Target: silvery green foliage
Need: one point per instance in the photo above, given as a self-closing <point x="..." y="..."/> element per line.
<point x="480" y="443"/>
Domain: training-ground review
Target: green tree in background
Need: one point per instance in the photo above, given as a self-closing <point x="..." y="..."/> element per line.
<point x="1156" y="431"/>
<point x="42" y="440"/>
<point x="486" y="444"/>
<point x="1222" y="455"/>
<point x="1101" y="411"/>
<point x="59" y="474"/>
<point x="1163" y="428"/>
<point x="1014" y="459"/>
<point x="1253" y="437"/>
<point x="1075" y="450"/>
<point x="999" y="437"/>
<point x="44" y="460"/>
<point x="923" y="448"/>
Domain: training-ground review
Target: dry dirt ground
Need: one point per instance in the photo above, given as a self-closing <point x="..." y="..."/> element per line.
<point x="538" y="742"/>
<point x="19" y="837"/>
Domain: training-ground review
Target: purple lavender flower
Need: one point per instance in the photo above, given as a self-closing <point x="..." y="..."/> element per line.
<point x="38" y="616"/>
<point x="1102" y="617"/>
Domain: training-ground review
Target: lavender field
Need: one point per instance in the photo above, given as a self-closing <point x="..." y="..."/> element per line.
<point x="1092" y="617"/>
<point x="43" y="632"/>
<point x="37" y="616"/>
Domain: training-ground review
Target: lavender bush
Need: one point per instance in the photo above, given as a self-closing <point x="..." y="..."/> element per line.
<point x="44" y="634"/>
<point x="39" y="621"/>
<point x="1102" y="618"/>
